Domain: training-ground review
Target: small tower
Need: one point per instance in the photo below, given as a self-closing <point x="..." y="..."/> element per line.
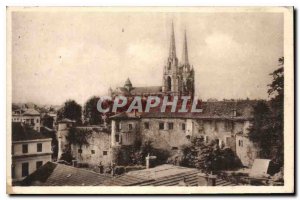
<point x="128" y="84"/>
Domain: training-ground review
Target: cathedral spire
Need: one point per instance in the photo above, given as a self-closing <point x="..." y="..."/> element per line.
<point x="172" y="52"/>
<point x="185" y="56"/>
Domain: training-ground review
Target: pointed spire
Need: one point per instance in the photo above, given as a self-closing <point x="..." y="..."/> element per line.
<point x="172" y="52"/>
<point x="185" y="56"/>
<point x="128" y="82"/>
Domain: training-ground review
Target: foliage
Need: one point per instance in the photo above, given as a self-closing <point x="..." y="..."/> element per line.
<point x="208" y="157"/>
<point x="91" y="114"/>
<point x="136" y="154"/>
<point x="67" y="155"/>
<point x="267" y="125"/>
<point x="70" y="110"/>
<point x="78" y="136"/>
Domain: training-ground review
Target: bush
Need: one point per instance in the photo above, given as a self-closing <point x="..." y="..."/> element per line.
<point x="208" y="157"/>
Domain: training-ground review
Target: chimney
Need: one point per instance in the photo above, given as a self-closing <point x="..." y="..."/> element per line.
<point x="206" y="179"/>
<point x="148" y="161"/>
<point x="74" y="163"/>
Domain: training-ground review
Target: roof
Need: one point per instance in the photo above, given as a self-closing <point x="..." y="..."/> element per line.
<point x="31" y="111"/>
<point x="22" y="132"/>
<point x="66" y="120"/>
<point x="126" y="115"/>
<point x="210" y="110"/>
<point x="26" y="112"/>
<point x="54" y="174"/>
<point x="162" y="175"/>
<point x="127" y="82"/>
<point x="138" y="90"/>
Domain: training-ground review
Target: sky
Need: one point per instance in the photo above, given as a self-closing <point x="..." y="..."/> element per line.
<point x="75" y="55"/>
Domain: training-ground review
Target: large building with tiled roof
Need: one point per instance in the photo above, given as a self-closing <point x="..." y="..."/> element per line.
<point x="225" y="122"/>
<point x="177" y="77"/>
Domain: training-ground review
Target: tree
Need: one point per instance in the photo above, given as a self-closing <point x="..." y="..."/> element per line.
<point x="91" y="114"/>
<point x="208" y="157"/>
<point x="70" y="110"/>
<point x="267" y="124"/>
<point x="79" y="137"/>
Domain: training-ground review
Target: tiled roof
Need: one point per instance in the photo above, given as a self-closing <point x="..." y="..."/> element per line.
<point x="210" y="110"/>
<point x="30" y="112"/>
<point x="26" y="112"/>
<point x="138" y="90"/>
<point x="54" y="174"/>
<point x="163" y="175"/>
<point x="22" y="132"/>
<point x="148" y="90"/>
<point x="126" y="115"/>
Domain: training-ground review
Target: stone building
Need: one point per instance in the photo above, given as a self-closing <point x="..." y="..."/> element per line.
<point x="98" y="148"/>
<point x="226" y="122"/>
<point x="30" y="150"/>
<point x="98" y="138"/>
<point x="177" y="79"/>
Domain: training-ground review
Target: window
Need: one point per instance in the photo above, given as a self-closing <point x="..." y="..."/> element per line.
<point x="206" y="139"/>
<point x="170" y="126"/>
<point x="241" y="143"/>
<point x="32" y="121"/>
<point x="25" y="148"/>
<point x="183" y="127"/>
<point x="104" y="153"/>
<point x="79" y="150"/>
<point x="146" y="125"/>
<point x="130" y="126"/>
<point x="37" y="120"/>
<point x="117" y="138"/>
<point x="174" y="148"/>
<point x="92" y="151"/>
<point x="39" y="164"/>
<point x="217" y="141"/>
<point x="161" y="126"/>
<point x="25" y="167"/>
<point x="228" y="126"/>
<point x="216" y="126"/>
<point x="39" y="147"/>
<point x="13" y="173"/>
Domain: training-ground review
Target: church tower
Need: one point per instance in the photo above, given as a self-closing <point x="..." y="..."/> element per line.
<point x="170" y="77"/>
<point x="187" y="71"/>
<point x="178" y="79"/>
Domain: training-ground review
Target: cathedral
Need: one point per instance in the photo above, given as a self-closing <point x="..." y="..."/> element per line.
<point x="178" y="77"/>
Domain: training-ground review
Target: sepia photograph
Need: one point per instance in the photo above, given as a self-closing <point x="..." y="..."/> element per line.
<point x="150" y="100"/>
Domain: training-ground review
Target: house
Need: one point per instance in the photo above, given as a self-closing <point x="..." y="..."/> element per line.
<point x="30" y="150"/>
<point x="28" y="116"/>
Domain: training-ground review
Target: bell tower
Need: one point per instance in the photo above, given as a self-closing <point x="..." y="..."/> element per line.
<point x="170" y="77"/>
<point x="188" y="83"/>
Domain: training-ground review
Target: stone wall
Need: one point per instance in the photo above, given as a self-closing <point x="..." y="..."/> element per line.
<point x="97" y="151"/>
